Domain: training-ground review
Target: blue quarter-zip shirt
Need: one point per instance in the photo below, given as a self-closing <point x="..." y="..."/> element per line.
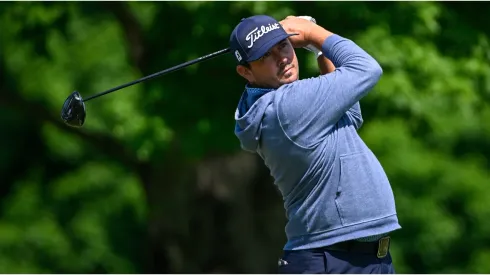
<point x="333" y="186"/>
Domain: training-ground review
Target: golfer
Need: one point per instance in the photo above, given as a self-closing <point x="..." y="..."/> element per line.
<point x="337" y="197"/>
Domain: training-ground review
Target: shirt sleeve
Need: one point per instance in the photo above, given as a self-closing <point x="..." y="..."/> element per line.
<point x="355" y="116"/>
<point x="308" y="109"/>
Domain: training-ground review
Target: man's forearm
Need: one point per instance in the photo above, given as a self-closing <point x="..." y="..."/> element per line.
<point x="317" y="36"/>
<point x="326" y="66"/>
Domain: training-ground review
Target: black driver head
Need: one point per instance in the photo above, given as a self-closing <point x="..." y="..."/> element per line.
<point x="73" y="111"/>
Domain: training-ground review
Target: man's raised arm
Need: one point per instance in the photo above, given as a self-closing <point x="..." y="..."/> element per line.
<point x="310" y="107"/>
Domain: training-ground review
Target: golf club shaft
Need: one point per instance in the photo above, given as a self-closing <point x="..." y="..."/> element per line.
<point x="169" y="70"/>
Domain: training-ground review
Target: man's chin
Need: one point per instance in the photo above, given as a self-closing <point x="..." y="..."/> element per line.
<point x="290" y="79"/>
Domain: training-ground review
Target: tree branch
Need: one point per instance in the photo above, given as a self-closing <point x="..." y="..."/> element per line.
<point x="132" y="30"/>
<point x="39" y="114"/>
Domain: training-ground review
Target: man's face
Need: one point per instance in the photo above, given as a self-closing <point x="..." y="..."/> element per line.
<point x="277" y="67"/>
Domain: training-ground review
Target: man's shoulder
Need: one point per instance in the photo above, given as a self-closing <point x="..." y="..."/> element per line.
<point x="299" y="83"/>
<point x="298" y="94"/>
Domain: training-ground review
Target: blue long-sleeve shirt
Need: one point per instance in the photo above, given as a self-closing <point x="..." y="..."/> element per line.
<point x="334" y="188"/>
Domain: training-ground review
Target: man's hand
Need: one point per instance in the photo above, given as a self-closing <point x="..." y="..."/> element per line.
<point x="308" y="32"/>
<point x="300" y="26"/>
<point x="310" y="47"/>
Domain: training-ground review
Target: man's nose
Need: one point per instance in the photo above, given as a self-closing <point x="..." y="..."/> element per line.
<point x="281" y="58"/>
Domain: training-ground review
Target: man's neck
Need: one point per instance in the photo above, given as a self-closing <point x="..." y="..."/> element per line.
<point x="256" y="86"/>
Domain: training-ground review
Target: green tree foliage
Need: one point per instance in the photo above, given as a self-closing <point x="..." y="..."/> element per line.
<point x="155" y="180"/>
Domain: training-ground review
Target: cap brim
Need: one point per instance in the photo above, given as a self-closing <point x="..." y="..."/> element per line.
<point x="267" y="46"/>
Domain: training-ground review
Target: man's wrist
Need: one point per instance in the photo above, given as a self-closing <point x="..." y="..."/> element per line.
<point x="314" y="50"/>
<point x="317" y="35"/>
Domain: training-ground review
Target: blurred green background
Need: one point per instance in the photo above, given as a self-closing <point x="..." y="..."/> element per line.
<point x="155" y="181"/>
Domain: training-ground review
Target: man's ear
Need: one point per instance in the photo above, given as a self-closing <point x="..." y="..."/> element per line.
<point x="245" y="73"/>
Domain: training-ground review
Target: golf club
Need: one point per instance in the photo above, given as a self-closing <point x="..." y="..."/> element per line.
<point x="73" y="111"/>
